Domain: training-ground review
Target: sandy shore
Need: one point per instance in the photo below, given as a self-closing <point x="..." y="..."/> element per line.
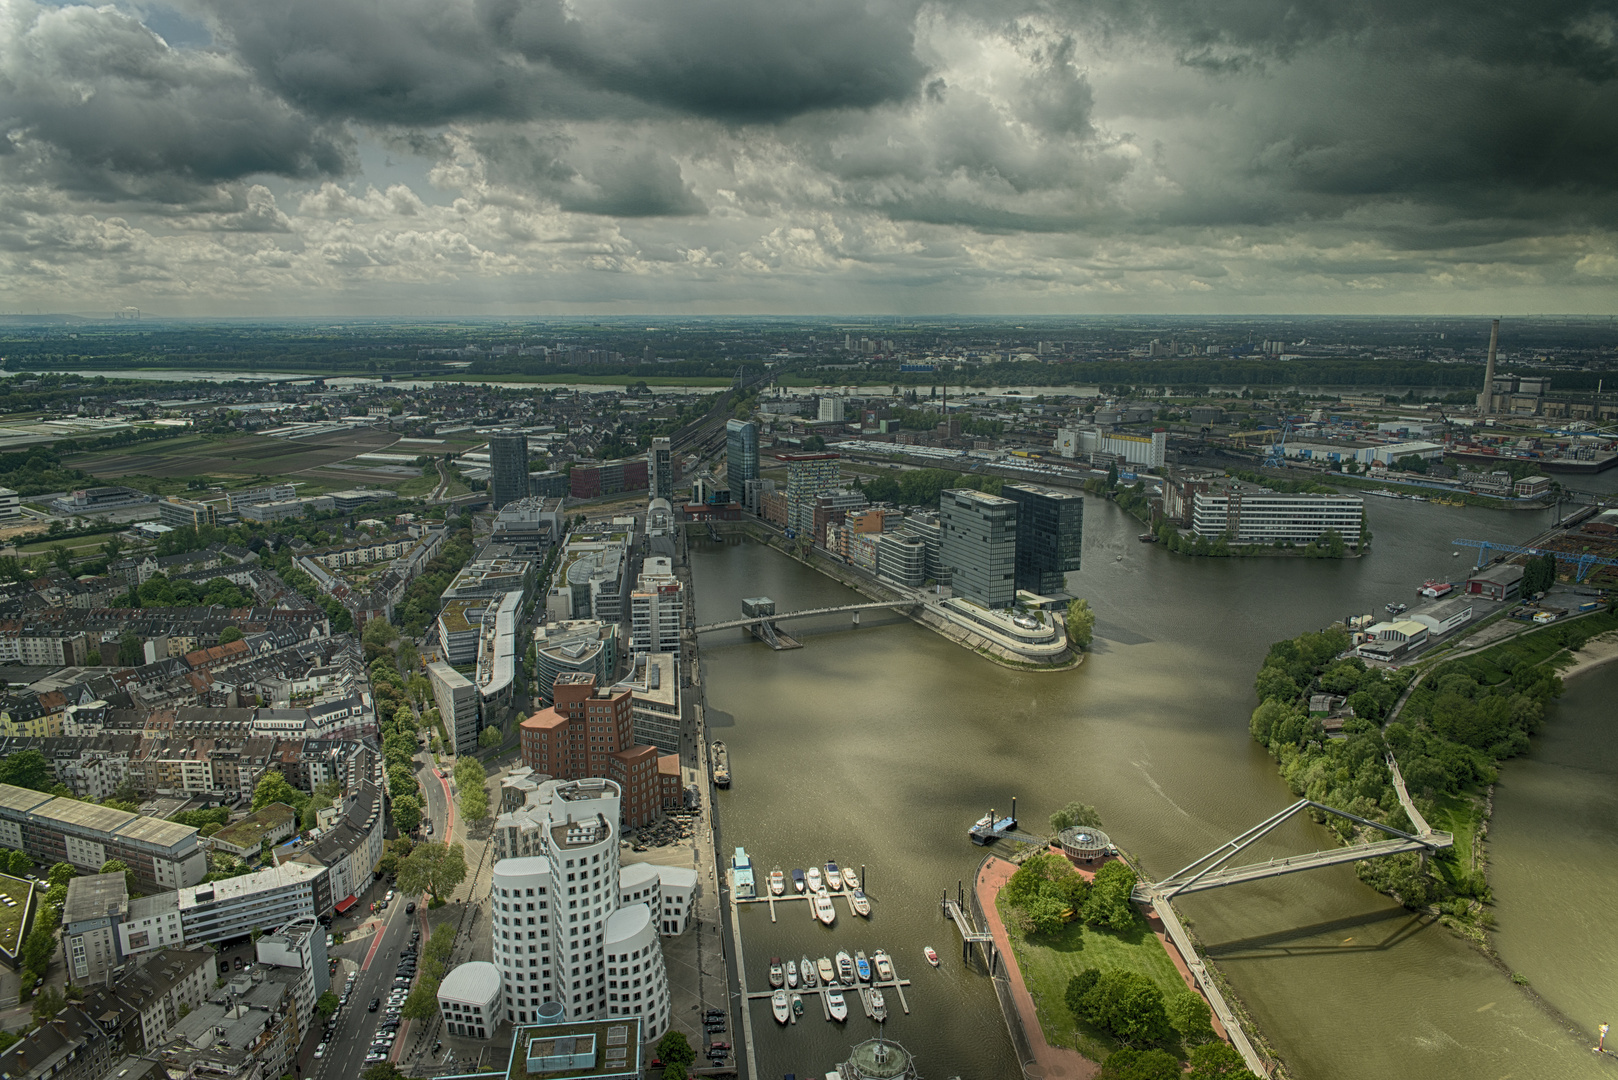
<point x="1597" y="651"/>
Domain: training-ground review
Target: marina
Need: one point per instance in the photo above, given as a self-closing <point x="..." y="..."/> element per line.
<point x="871" y="997"/>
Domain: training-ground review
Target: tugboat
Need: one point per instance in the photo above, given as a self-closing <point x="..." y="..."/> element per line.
<point x="862" y="966"/>
<point x="778" y="977"/>
<point x="839" y="1007"/>
<point x="797" y="881"/>
<point x="780" y="1006"/>
<point x="845" y="967"/>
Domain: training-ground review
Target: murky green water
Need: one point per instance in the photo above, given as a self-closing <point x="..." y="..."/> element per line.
<point x="879" y="746"/>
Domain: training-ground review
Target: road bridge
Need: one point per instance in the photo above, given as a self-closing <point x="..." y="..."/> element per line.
<point x="805" y="614"/>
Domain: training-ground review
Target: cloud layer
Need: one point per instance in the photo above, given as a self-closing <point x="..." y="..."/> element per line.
<point x="515" y="155"/>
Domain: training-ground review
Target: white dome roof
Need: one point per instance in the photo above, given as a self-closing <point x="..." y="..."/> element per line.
<point x="477" y="981"/>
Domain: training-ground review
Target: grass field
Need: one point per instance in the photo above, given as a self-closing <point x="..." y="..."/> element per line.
<point x="599" y="380"/>
<point x="11" y="926"/>
<point x="237" y="461"/>
<point x="1048" y="961"/>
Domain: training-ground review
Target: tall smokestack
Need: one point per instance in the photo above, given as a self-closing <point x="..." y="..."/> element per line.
<point x="1486" y="399"/>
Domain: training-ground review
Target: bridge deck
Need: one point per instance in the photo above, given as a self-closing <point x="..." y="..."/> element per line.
<point x="1292" y="864"/>
<point x="806" y="613"/>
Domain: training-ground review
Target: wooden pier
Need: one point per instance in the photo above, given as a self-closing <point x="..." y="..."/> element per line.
<point x="786" y="897"/>
<point x="862" y="990"/>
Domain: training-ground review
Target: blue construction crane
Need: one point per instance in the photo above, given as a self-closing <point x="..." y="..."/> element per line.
<point x="1582" y="563"/>
<point x="1275" y="456"/>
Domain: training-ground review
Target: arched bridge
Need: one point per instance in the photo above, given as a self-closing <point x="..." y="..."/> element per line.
<point x="781" y="616"/>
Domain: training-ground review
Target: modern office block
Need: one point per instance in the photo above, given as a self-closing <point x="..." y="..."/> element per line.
<point x="508" y="467"/>
<point x="980" y="545"/>
<point x="741" y="455"/>
<point x="1050" y="536"/>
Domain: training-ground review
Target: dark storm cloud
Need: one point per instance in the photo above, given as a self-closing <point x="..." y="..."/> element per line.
<point x="92" y="102"/>
<point x="438" y="61"/>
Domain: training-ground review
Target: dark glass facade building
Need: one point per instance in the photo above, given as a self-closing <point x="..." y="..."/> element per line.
<point x="1050" y="536"/>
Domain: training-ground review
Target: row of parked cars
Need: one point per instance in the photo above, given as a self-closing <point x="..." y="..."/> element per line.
<point x="393" y="1009"/>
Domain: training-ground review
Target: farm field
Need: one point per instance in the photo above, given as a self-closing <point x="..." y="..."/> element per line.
<point x="230" y="459"/>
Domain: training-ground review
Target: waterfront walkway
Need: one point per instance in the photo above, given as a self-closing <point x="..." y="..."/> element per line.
<point x="1050" y="1062"/>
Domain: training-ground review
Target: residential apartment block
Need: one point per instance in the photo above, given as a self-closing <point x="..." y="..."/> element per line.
<point x="49" y="830"/>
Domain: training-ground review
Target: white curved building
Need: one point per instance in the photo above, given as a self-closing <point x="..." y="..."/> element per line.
<point x="469" y="999"/>
<point x="559" y="910"/>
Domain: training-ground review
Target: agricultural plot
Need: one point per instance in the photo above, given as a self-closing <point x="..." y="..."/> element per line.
<point x="228" y="459"/>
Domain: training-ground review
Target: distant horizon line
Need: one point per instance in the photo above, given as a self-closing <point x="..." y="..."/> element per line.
<point x="643" y="316"/>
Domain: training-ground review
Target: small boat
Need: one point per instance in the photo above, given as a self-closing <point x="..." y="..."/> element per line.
<point x="721" y="766"/>
<point x="815" y="884"/>
<point x="834" y="878"/>
<point x="850" y="881"/>
<point x="932" y="957"/>
<point x="861" y="905"/>
<point x="862" y="966"/>
<point x="778" y="975"/>
<point x="839" y="1007"/>
<point x="778" y="882"/>
<point x="797" y="881"/>
<point x="1433" y="589"/>
<point x="845" y="968"/>
<point x="824" y="911"/>
<point x="884" y="965"/>
<point x="1147" y="538"/>
<point x="797" y="1004"/>
<point x="879" y="1006"/>
<point x="828" y="970"/>
<point x="806" y="968"/>
<point x="1455" y="554"/>
<point x="1395" y="608"/>
<point x="780" y="1006"/>
<point x="792" y="973"/>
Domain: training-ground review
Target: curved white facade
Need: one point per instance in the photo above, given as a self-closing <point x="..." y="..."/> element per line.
<point x="552" y="910"/>
<point x="637" y="981"/>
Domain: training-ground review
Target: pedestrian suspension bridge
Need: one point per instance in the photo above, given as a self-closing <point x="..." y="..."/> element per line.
<point x="771" y="617"/>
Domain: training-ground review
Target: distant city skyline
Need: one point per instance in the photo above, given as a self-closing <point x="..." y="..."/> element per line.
<point x="733" y="157"/>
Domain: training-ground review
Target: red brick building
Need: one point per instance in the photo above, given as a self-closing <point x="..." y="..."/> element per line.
<point x="590" y="732"/>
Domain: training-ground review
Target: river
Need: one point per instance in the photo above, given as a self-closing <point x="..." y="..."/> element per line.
<point x="879" y="746"/>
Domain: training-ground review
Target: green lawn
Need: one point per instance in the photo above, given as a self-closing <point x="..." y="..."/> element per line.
<point x="1049" y="961"/>
<point x="1460" y="815"/>
<point x="11" y="927"/>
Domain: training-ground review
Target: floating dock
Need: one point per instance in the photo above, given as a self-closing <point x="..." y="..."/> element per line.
<point x="988" y="828"/>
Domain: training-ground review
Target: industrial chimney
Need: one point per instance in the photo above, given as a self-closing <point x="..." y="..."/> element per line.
<point x="1486" y="399"/>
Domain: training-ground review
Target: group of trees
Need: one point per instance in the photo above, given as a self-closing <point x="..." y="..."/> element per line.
<point x="432" y="868"/>
<point x="922" y="487"/>
<point x="1047" y="892"/>
<point x="1210" y="1061"/>
<point x="422" y="1001"/>
<point x="470" y="779"/>
<point x="158" y="591"/>
<point x="420" y="604"/>
<point x="677" y="1055"/>
<point x="1538" y="574"/>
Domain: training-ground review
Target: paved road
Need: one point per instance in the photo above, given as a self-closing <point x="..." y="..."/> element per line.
<point x="378" y="956"/>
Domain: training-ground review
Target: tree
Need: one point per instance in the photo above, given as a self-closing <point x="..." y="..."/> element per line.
<point x="229" y="634"/>
<point x="326" y="1004"/>
<point x="432" y="868"/>
<point x="1112" y="476"/>
<point x="490" y="736"/>
<point x="114" y="866"/>
<point x="61" y="873"/>
<point x="1191" y="1017"/>
<point x="401" y="781"/>
<point x="1125" y="1004"/>
<point x="1127" y="1064"/>
<point x="383" y="1070"/>
<point x="37" y="948"/>
<point x="63" y="558"/>
<point x="675" y="1049"/>
<point x="47" y="1004"/>
<point x="379" y="632"/>
<point x="28" y="769"/>
<point x="407" y="813"/>
<point x="273" y="788"/>
<point x="1108" y="904"/>
<point x="674" y="1071"/>
<point x="1081" y="623"/>
<point x="1218" y="1061"/>
<point x="18" y="864"/>
<point x="1075" y="813"/>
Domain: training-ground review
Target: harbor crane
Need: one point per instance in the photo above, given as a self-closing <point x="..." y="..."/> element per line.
<point x="1581" y="562"/>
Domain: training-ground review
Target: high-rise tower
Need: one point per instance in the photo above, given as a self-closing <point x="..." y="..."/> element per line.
<point x="1486" y="399"/>
<point x="508" y="467"/>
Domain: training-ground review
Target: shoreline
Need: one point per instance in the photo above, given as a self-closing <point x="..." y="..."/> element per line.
<point x="1604" y="652"/>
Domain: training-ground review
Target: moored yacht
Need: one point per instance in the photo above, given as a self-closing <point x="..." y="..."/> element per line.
<point x="778" y="882"/>
<point x="850" y="879"/>
<point x="845" y="967"/>
<point x="797" y="881"/>
<point x="827" y="970"/>
<point x="806" y="968"/>
<point x="860" y="903"/>
<point x="824" y="911"/>
<point x="778" y="975"/>
<point x="879" y="1006"/>
<point x="862" y="966"/>
<point x="834" y="877"/>
<point x="792" y="973"/>
<point x="780" y="1006"/>
<point x="815" y="884"/>
<point x="884" y="965"/>
<point x="838" y="1006"/>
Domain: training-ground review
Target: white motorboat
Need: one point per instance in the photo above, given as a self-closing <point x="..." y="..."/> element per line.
<point x="815" y="884"/>
<point x="862" y="966"/>
<point x="838" y="1006"/>
<point x="884" y="965"/>
<point x="797" y="881"/>
<point x="860" y="903"/>
<point x="792" y="973"/>
<point x="879" y="1006"/>
<point x="834" y="877"/>
<point x="778" y="882"/>
<point x="806" y="968"/>
<point x="778" y="975"/>
<point x="780" y="1006"/>
<point x="824" y="911"/>
<point x="932" y="957"/>
<point x="850" y="879"/>
<point x="828" y="970"/>
<point x="845" y="967"/>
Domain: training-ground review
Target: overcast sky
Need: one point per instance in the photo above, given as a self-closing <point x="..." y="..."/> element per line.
<point x="265" y="157"/>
